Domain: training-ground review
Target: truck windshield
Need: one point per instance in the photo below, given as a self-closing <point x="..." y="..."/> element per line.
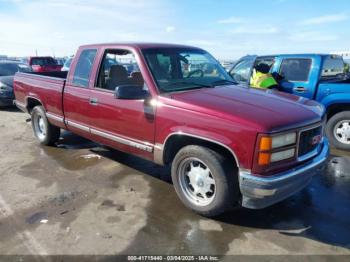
<point x="179" y="69"/>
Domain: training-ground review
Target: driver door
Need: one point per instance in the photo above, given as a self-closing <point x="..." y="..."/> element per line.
<point x="124" y="124"/>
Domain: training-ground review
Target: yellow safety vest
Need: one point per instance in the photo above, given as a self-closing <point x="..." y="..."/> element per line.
<point x="261" y="80"/>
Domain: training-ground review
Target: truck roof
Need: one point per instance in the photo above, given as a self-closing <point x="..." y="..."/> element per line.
<point x="140" y="45"/>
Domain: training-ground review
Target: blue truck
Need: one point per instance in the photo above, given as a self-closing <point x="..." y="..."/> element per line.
<point x="321" y="77"/>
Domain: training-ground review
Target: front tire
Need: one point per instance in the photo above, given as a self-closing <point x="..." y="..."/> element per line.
<point x="204" y="180"/>
<point x="46" y="133"/>
<point x="338" y="130"/>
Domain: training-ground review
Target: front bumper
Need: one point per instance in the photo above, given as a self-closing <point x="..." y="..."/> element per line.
<point x="259" y="192"/>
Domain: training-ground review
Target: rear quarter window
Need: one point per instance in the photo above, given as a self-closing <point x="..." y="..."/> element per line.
<point x="333" y="66"/>
<point x="83" y="68"/>
<point x="296" y="70"/>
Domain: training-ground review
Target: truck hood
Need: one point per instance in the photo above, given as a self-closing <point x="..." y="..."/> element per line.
<point x="267" y="110"/>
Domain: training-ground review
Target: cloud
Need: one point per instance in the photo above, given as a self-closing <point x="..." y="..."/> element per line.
<point x="170" y="29"/>
<point x="254" y="30"/>
<point x="231" y="20"/>
<point x="63" y="25"/>
<point x="312" y="36"/>
<point x="325" y="19"/>
<point x="202" y="42"/>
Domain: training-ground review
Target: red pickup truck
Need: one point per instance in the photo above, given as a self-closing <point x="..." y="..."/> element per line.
<point x="44" y="64"/>
<point x="228" y="145"/>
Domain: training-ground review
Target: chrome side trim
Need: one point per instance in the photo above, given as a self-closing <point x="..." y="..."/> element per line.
<point x="76" y="125"/>
<point x="160" y="155"/>
<point x="20" y="105"/>
<point x="54" y="117"/>
<point x="148" y="148"/>
<point x="125" y="141"/>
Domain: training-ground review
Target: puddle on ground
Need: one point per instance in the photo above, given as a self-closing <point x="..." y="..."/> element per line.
<point x="63" y="197"/>
<point x="36" y="217"/>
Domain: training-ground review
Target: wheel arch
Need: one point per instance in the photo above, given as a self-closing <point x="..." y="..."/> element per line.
<point x="32" y="102"/>
<point x="165" y="153"/>
<point x="337" y="108"/>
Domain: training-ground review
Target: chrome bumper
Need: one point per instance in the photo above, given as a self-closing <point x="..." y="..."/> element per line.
<point x="259" y="192"/>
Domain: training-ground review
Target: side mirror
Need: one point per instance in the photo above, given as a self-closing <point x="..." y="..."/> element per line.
<point x="130" y="92"/>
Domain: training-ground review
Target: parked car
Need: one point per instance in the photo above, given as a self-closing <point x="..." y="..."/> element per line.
<point x="66" y="65"/>
<point x="24" y="60"/>
<point x="44" y="64"/>
<point x="227" y="145"/>
<point x="314" y="76"/>
<point x="227" y="64"/>
<point x="7" y="71"/>
<point x="60" y="61"/>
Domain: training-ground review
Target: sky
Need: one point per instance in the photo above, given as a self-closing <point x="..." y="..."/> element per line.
<point x="228" y="29"/>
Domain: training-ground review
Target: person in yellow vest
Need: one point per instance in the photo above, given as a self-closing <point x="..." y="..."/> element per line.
<point x="261" y="78"/>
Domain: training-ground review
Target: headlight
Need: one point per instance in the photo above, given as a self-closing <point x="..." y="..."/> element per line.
<point x="282" y="155"/>
<point x="284" y="140"/>
<point x="272" y="142"/>
<point x="269" y="145"/>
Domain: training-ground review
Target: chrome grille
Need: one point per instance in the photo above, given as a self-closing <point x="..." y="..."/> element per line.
<point x="309" y="140"/>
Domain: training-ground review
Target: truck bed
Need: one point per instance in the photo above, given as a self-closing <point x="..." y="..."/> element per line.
<point x="44" y="87"/>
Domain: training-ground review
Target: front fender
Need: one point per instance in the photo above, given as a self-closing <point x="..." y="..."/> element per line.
<point x="239" y="147"/>
<point x="338" y="98"/>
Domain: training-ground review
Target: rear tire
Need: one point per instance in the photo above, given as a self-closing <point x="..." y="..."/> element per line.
<point x="338" y="130"/>
<point x="204" y="180"/>
<point x="46" y="133"/>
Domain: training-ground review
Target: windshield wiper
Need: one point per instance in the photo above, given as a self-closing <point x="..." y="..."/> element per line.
<point x="195" y="85"/>
<point x="223" y="82"/>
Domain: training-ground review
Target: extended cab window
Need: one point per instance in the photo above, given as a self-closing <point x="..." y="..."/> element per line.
<point x="119" y="67"/>
<point x="295" y="69"/>
<point x="333" y="66"/>
<point x="83" y="68"/>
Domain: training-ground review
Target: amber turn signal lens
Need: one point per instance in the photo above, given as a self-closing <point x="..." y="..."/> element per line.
<point x="264" y="159"/>
<point x="265" y="143"/>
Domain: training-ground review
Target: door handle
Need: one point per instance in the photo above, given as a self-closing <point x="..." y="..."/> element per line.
<point x="93" y="101"/>
<point x="300" y="89"/>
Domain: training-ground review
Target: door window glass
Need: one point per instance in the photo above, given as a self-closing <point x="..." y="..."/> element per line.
<point x="119" y="67"/>
<point x="296" y="70"/>
<point x="241" y="71"/>
<point x="264" y="64"/>
<point x="83" y="68"/>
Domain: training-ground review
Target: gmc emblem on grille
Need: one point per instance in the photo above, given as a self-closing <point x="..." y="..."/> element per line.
<point x="316" y="140"/>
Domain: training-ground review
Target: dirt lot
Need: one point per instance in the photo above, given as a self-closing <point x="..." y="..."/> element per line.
<point x="80" y="198"/>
